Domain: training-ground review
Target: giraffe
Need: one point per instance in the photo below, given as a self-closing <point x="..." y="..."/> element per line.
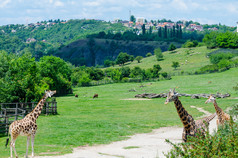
<point x="191" y="127"/>
<point x="27" y="126"/>
<point x="222" y="116"/>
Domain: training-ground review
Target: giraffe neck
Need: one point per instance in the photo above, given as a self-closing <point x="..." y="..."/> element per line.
<point x="37" y="110"/>
<point x="217" y="108"/>
<point x="183" y="114"/>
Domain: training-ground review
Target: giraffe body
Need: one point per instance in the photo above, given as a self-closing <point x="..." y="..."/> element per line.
<point x="27" y="126"/>
<point x="191" y="127"/>
<point x="221" y="115"/>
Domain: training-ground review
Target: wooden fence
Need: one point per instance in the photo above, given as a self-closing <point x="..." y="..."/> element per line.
<point x="10" y="112"/>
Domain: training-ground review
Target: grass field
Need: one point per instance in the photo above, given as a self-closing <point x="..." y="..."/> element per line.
<point x="88" y="121"/>
<point x="196" y="58"/>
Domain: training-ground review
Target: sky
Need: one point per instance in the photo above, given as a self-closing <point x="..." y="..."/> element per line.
<point x="203" y="11"/>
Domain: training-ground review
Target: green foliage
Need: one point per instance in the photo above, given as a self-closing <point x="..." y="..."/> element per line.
<point x="223" y="143"/>
<point x="155" y="70"/>
<point x="208" y="69"/>
<point x="190" y="44"/>
<point x="132" y="18"/>
<point x="125" y="71"/>
<point x="107" y="63"/>
<point x="210" y="40"/>
<point x="216" y="58"/>
<point x="172" y="47"/>
<point x="148" y="54"/>
<point x="175" y="64"/>
<point x="131" y="58"/>
<point x="158" y="54"/>
<point x="23" y="79"/>
<point x="57" y="70"/>
<point x="95" y="73"/>
<point x="122" y="58"/>
<point x="137" y="72"/>
<point x="222" y="40"/>
<point x="139" y="58"/>
<point x="84" y="79"/>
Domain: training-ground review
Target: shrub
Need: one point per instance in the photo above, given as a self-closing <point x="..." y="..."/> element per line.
<point x="224" y="64"/>
<point x="158" y="54"/>
<point x="148" y="54"/>
<point x="139" y="58"/>
<point x="209" y="69"/>
<point x="223" y="143"/>
<point x="172" y="47"/>
<point x="216" y="58"/>
<point x="175" y="64"/>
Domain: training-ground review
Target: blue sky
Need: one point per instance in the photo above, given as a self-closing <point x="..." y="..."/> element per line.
<point x="203" y="11"/>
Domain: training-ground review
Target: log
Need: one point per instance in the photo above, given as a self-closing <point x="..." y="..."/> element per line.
<point x="193" y="96"/>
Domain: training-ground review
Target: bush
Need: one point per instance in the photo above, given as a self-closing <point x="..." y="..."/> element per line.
<point x="158" y="54"/>
<point x="224" y="64"/>
<point x="216" y="58"/>
<point x="209" y="69"/>
<point x="175" y="64"/>
<point x="172" y="47"/>
<point x="139" y="58"/>
<point x="224" y="143"/>
<point x="148" y="54"/>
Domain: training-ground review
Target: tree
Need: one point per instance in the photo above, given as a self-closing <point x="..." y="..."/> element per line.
<point x="155" y="70"/>
<point x="158" y="54"/>
<point x="175" y="64"/>
<point x="171" y="47"/>
<point x="139" y="58"/>
<point x="165" y="32"/>
<point x="107" y="63"/>
<point x="160" y="32"/>
<point x="132" y="18"/>
<point x="58" y="72"/>
<point x="143" y="29"/>
<point x="131" y="58"/>
<point x="122" y="58"/>
<point x="148" y="54"/>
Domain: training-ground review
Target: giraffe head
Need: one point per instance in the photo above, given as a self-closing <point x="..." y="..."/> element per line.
<point x="49" y="93"/>
<point x="171" y="96"/>
<point x="210" y="99"/>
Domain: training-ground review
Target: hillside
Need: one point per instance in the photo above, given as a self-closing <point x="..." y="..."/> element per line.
<point x="82" y="52"/>
<point x="190" y="60"/>
<point x="43" y="38"/>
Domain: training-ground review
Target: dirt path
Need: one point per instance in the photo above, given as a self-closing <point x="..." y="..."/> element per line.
<point x="147" y="145"/>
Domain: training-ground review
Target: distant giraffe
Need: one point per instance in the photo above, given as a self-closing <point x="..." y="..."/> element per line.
<point x="191" y="127"/>
<point x="222" y="116"/>
<point x="27" y="126"/>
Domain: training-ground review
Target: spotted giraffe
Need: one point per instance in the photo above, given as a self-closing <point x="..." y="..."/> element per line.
<point x="27" y="126"/>
<point x="221" y="115"/>
<point x="191" y="127"/>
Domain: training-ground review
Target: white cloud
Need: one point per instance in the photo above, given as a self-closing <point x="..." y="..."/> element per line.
<point x="58" y="4"/>
<point x="179" y="4"/>
<point x="3" y="3"/>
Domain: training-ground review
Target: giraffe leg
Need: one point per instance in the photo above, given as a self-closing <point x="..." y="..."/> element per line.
<point x="13" y="146"/>
<point x="28" y="141"/>
<point x="32" y="144"/>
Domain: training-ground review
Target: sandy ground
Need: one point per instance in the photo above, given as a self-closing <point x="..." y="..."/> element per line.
<point x="147" y="145"/>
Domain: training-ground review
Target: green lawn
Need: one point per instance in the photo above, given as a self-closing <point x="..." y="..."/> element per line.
<point x="88" y="121"/>
<point x="196" y="58"/>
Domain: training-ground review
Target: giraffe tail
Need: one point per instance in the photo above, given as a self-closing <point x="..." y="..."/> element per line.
<point x="7" y="140"/>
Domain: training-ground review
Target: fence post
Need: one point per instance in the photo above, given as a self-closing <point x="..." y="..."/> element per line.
<point x="16" y="111"/>
<point x="51" y="107"/>
<point x="47" y="108"/>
